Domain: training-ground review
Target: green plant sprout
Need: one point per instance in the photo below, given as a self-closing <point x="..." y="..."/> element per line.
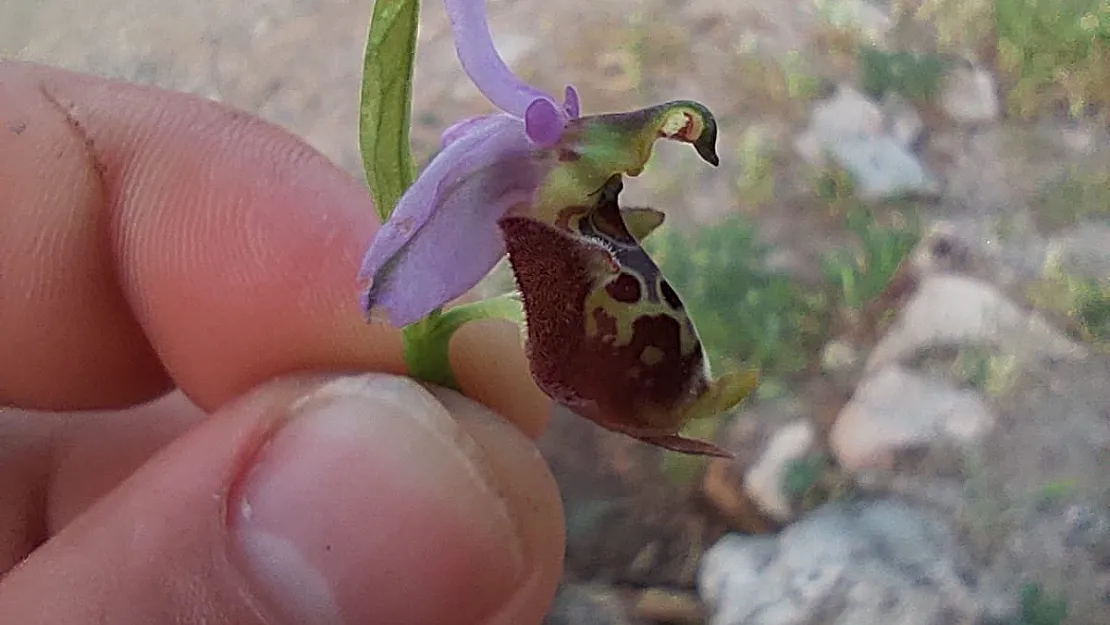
<point x="747" y="314"/>
<point x="756" y="160"/>
<point x="1084" y="301"/>
<point x="815" y="479"/>
<point x="915" y="77"/>
<point x="985" y="369"/>
<point x="1039" y="607"/>
<point x="860" y="274"/>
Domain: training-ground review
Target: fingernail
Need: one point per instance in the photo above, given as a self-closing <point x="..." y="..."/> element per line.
<point x="372" y="505"/>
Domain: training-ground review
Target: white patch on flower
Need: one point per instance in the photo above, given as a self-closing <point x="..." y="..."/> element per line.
<point x="674" y="124"/>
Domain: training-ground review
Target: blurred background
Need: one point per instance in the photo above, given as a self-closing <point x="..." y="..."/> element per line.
<point x="909" y="234"/>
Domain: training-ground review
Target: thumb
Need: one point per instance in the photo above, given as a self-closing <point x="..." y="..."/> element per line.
<point x="345" y="500"/>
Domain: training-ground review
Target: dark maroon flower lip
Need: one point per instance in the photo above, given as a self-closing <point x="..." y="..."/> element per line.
<point x="607" y="334"/>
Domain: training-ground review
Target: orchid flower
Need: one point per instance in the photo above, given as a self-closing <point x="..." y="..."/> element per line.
<point x="607" y="335"/>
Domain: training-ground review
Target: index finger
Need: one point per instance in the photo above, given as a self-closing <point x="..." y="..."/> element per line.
<point x="150" y="239"/>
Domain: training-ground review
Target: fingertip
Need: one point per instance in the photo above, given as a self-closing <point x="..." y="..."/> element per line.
<point x="491" y="366"/>
<point x="314" y="499"/>
<point x="520" y="474"/>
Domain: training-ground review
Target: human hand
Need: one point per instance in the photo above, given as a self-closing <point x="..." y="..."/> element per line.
<point x="151" y="241"/>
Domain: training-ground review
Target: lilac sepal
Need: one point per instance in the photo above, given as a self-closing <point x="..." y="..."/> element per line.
<point x="442" y="239"/>
<point x="544" y="118"/>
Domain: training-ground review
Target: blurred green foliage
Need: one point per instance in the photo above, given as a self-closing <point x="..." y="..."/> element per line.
<point x="805" y="475"/>
<point x="1049" y="52"/>
<point x="749" y="315"/>
<point x="1055" y="51"/>
<point x="1039" y="607"/>
<point x="913" y="76"/>
<point x="985" y="369"/>
<point x="1084" y="301"/>
<point x="746" y="314"/>
<point x="814" y="480"/>
<point x="860" y="272"/>
<point x="1078" y="193"/>
<point x="757" y="159"/>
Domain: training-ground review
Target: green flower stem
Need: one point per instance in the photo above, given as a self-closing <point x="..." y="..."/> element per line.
<point x="426" y="343"/>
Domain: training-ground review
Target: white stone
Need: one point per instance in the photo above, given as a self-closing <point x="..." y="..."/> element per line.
<point x="882" y="168"/>
<point x="848" y="114"/>
<point x="903" y="121"/>
<point x="852" y="130"/>
<point x="839" y="355"/>
<point x="1083" y="249"/>
<point x="896" y="409"/>
<point x="764" y="480"/>
<point x="876" y="563"/>
<point x="968" y="96"/>
<point x="951" y="309"/>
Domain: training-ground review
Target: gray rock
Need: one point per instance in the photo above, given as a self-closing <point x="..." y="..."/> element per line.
<point x="1084" y="250"/>
<point x="764" y="479"/>
<point x="874" y="563"/>
<point x="896" y="409"/>
<point x="838" y="356"/>
<point x="882" y="168"/>
<point x="582" y="604"/>
<point x="848" y="113"/>
<point x="851" y="130"/>
<point x="903" y="121"/>
<point x="954" y="310"/>
<point x="969" y="95"/>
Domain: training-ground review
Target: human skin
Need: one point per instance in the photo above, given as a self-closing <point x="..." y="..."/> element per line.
<point x="201" y="426"/>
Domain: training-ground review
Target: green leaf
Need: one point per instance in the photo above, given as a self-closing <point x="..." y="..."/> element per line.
<point x="426" y="342"/>
<point x="385" y="109"/>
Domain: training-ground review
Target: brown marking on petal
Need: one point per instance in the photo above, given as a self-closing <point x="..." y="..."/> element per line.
<point x="568" y="156"/>
<point x="625" y="288"/>
<point x="607" y="336"/>
<point x="556" y="272"/>
<point x="676" y="126"/>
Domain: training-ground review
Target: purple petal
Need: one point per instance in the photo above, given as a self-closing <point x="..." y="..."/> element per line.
<point x="482" y="63"/>
<point x="544" y="123"/>
<point x="459" y="129"/>
<point x="443" y="236"/>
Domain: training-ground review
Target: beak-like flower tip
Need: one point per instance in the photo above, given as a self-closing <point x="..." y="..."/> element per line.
<point x="693" y="123"/>
<point x="706" y="143"/>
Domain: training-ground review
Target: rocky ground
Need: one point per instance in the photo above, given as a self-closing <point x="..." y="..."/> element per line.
<point x="932" y="441"/>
